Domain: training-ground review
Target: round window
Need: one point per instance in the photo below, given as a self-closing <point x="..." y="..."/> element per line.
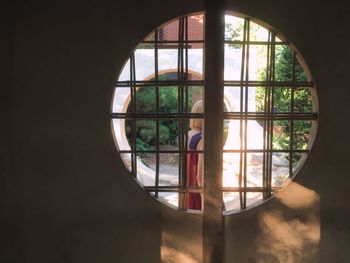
<point x="158" y="113"/>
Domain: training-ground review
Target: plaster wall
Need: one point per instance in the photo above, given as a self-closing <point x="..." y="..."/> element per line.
<point x="65" y="194"/>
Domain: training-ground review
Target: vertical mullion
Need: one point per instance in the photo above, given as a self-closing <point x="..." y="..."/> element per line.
<point x="268" y="73"/>
<point x="291" y="127"/>
<point x="184" y="121"/>
<point x="272" y="76"/>
<point x="213" y="138"/>
<point x="269" y="122"/>
<point x="181" y="75"/>
<point x="157" y="109"/>
<point x="246" y="114"/>
<point x="240" y="181"/>
<point x="133" y="110"/>
<point x="180" y="71"/>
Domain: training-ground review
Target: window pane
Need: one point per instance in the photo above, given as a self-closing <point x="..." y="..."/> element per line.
<point x="169" y="32"/>
<point x="195" y="27"/>
<point x="145" y="135"/>
<point x="169" y="198"/>
<point x="281" y="135"/>
<point x="231" y="169"/>
<point x="254" y="135"/>
<point x="195" y="60"/>
<point x="144" y="61"/>
<point x="299" y="72"/>
<point x="168" y="59"/>
<point x="121" y="99"/>
<point x="283" y="63"/>
<point x="122" y="133"/>
<point x="298" y="159"/>
<point x="254" y="199"/>
<point x="232" y="99"/>
<point x="233" y="57"/>
<point x="258" y="33"/>
<point x="254" y="169"/>
<point x="168" y="99"/>
<point x="232" y="134"/>
<point x="169" y="134"/>
<point x="282" y="99"/>
<point x="146" y="173"/>
<point x="231" y="202"/>
<point x="233" y="28"/>
<point x="168" y="169"/>
<point x="125" y="73"/>
<point x="257" y="62"/>
<point x="302" y="100"/>
<point x="280" y="168"/>
<point x="195" y="93"/>
<point x="145" y="100"/>
<point x="301" y="134"/>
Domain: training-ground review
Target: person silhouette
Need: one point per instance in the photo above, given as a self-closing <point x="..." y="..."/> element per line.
<point x="195" y="159"/>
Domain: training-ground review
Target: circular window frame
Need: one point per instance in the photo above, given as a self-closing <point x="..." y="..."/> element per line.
<point x="313" y="130"/>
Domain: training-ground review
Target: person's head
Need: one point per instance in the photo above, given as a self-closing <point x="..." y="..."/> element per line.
<point x="197" y="123"/>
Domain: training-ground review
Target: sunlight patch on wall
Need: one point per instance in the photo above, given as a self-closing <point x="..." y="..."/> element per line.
<point x="291" y="233"/>
<point x="172" y="253"/>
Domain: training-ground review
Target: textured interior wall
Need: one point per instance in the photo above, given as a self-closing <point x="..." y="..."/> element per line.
<point x="309" y="221"/>
<point x="67" y="197"/>
<point x="8" y="240"/>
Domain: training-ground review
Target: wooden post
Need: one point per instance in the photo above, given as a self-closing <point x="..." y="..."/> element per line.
<point x="213" y="132"/>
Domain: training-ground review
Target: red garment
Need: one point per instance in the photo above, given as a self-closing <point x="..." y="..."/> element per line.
<point x="194" y="200"/>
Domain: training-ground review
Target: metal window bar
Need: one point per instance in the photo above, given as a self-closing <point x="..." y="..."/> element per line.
<point x="291" y="127"/>
<point x="157" y="37"/>
<point x="251" y="189"/>
<point x="225" y="151"/>
<point x="231" y="83"/>
<point x="240" y="176"/>
<point x="311" y="116"/>
<point x="271" y="111"/>
<point x="266" y="151"/>
<point x="245" y="42"/>
<point x="151" y="115"/>
<point x="133" y="109"/>
<point x="173" y="151"/>
<point x="180" y="73"/>
<point x="162" y="83"/>
<point x="183" y="132"/>
<point x="265" y="124"/>
<point x="177" y="189"/>
<point x="273" y="116"/>
<point x="268" y="133"/>
<point x="163" y="42"/>
<point x="271" y="84"/>
<point x="247" y="33"/>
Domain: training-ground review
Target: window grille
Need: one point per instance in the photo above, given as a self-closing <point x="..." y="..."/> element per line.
<point x="275" y="123"/>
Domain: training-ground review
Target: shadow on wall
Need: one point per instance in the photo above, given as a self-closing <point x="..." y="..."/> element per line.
<point x="290" y="231"/>
<point x="284" y="230"/>
<point x="181" y="237"/>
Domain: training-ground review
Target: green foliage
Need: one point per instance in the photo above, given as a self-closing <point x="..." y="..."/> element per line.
<point x="141" y="145"/>
<point x="168" y="99"/>
<point x="168" y="128"/>
<point x="233" y="33"/>
<point x="284" y="64"/>
<point x="282" y="101"/>
<point x="282" y="96"/>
